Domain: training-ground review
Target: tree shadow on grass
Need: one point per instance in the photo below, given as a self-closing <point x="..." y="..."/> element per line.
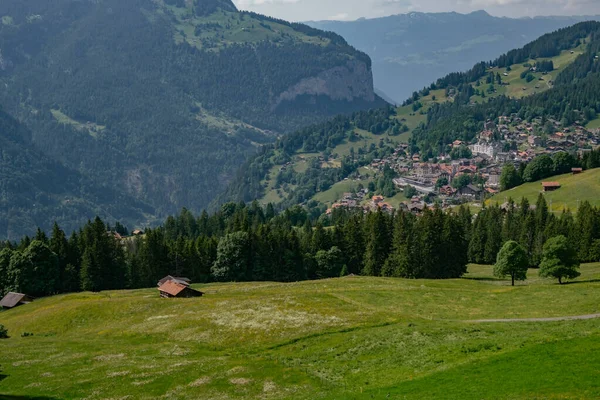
<point x="484" y="278"/>
<point x="577" y="282"/>
<point x="10" y="397"/>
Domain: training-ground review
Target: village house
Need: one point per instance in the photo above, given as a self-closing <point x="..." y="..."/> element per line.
<point x="534" y="141"/>
<point x="447" y="190"/>
<point x="12" y="300"/>
<point x="471" y="191"/>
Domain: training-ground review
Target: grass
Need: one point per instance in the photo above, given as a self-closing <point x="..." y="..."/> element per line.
<point x="91" y="128"/>
<point x="347" y="338"/>
<point x="575" y="189"/>
<point x="223" y="28"/>
<point x="594" y="124"/>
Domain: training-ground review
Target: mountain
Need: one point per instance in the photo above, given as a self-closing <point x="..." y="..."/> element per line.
<point x="411" y="50"/>
<point x="33" y="187"/>
<point x="556" y="77"/>
<point x="164" y="100"/>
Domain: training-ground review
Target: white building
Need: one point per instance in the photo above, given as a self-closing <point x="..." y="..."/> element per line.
<point x="482" y="148"/>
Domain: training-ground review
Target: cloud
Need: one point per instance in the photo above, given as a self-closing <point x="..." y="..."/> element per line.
<point x="339" y="17"/>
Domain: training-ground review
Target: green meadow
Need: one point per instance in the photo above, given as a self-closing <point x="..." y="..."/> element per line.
<point x="346" y="338"/>
<point x="574" y="190"/>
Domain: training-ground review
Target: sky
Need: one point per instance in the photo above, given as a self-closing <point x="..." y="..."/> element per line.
<point x="312" y="10"/>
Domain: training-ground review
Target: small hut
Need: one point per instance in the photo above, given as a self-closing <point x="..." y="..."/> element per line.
<point x="576" y="171"/>
<point x="550" y="186"/>
<point x="171" y="289"/>
<point x="12" y="300"/>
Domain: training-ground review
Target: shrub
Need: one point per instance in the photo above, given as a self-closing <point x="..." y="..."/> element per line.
<point x="3" y="332"/>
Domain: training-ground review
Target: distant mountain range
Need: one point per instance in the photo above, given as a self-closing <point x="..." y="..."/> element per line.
<point x="161" y="100"/>
<point x="409" y="51"/>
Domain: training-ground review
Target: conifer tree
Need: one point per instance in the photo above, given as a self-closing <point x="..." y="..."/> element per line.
<point x="377" y="244"/>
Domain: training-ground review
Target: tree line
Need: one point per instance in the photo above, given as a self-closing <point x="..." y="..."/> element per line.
<point x="251" y="243"/>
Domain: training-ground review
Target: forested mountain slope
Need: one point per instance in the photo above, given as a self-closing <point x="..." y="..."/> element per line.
<point x="425" y="46"/>
<point x="34" y="186"/>
<point x="163" y="100"/>
<point x="316" y="165"/>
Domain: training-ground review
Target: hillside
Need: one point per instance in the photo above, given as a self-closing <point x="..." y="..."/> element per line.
<point x="425" y="46"/>
<point x="158" y="98"/>
<point x="33" y="187"/>
<point x="575" y="189"/>
<point x="318" y="165"/>
<point x="353" y="337"/>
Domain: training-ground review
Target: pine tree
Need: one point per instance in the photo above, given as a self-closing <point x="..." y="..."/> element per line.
<point x="378" y="244"/>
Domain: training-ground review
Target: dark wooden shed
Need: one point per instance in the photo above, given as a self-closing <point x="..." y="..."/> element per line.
<point x="12" y="300"/>
<point x="173" y="289"/>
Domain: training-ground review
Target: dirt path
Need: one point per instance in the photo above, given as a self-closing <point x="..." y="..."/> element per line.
<point x="554" y="319"/>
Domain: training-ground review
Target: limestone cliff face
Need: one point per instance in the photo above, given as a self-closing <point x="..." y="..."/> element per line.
<point x="348" y="82"/>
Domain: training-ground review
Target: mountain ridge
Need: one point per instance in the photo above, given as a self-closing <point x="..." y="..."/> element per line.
<point x="163" y="100"/>
<point x="426" y="46"/>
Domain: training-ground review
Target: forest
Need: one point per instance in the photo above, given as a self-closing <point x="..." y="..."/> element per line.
<point x="35" y="189"/>
<point x="252" y="243"/>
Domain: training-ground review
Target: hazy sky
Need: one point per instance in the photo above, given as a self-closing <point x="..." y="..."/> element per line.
<point x="305" y="10"/>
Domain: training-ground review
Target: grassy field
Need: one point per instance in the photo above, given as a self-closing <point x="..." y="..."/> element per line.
<point x="347" y="338"/>
<point x="575" y="189"/>
<point x="91" y="128"/>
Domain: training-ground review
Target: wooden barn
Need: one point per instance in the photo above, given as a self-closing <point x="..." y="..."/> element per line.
<point x="576" y="171"/>
<point x="171" y="289"/>
<point x="12" y="300"/>
<point x="550" y="186"/>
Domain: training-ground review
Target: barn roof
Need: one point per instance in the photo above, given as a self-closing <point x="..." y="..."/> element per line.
<point x="173" y="288"/>
<point x="12" y="299"/>
<point x="550" y="184"/>
<point x="181" y="280"/>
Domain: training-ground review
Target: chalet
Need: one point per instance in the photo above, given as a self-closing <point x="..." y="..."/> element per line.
<point x="171" y="289"/>
<point x="416" y="208"/>
<point x="377" y="199"/>
<point x="468" y="169"/>
<point x="180" y="280"/>
<point x="12" y="300"/>
<point x="447" y="190"/>
<point x="470" y="190"/>
<point x="138" y="232"/>
<point x="534" y="140"/>
<point x="576" y="171"/>
<point x="550" y="186"/>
